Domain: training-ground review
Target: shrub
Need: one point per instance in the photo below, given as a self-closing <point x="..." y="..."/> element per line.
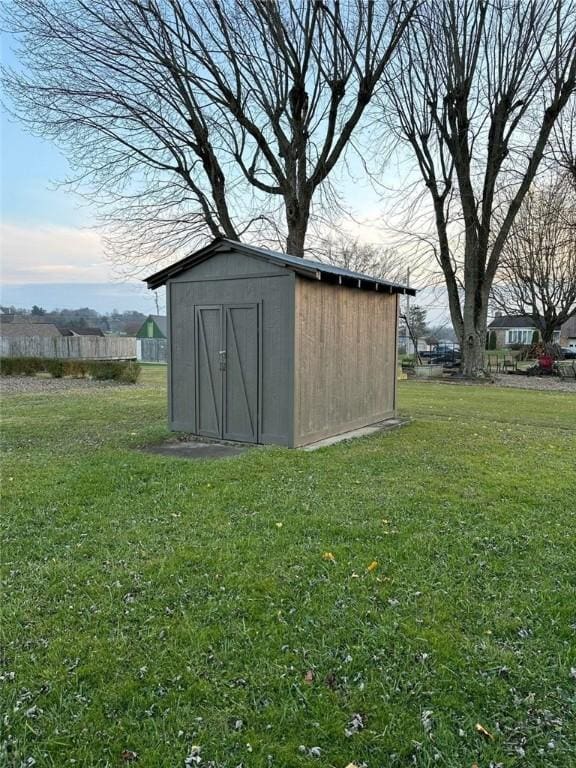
<point x="20" y="366"/>
<point x="102" y="370"/>
<point x="130" y="373"/>
<point x="125" y="372"/>
<point x="78" y="369"/>
<point x="55" y="368"/>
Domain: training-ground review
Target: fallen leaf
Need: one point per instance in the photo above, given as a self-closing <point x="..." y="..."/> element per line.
<point x="329" y="556"/>
<point x="373" y="565"/>
<point x="129" y="756"/>
<point x="309" y="677"/>
<point x="330" y="680"/>
<point x="279" y="525"/>
<point x="483" y="732"/>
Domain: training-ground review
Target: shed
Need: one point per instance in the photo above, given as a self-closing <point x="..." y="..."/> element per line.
<point x="154" y="327"/>
<point x="270" y="348"/>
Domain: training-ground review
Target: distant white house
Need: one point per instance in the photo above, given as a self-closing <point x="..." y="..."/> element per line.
<point x="519" y="329"/>
<point x="568" y="333"/>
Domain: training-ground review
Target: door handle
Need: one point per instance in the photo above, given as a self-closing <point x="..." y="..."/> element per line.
<point x="222" y="355"/>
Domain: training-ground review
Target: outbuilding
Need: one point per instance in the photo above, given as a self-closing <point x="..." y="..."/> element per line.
<point x="154" y="327"/>
<point x="152" y="340"/>
<point x="269" y="348"/>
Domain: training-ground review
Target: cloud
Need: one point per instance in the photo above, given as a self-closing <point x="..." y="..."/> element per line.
<point x="49" y="254"/>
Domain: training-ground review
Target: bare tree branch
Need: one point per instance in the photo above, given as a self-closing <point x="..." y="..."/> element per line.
<point x="537" y="272"/>
<point x="209" y="113"/>
<point x="477" y="88"/>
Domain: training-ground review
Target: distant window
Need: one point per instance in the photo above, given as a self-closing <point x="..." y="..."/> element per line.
<point x="150" y="329"/>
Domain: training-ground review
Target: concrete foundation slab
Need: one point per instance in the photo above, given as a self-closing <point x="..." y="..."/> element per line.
<point x="381" y="426"/>
<point x="183" y="449"/>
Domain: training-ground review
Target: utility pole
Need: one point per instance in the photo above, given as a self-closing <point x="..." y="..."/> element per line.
<point x="408" y="336"/>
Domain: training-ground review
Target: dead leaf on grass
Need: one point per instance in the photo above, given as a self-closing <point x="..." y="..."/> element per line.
<point x="309" y="677"/>
<point x="483" y="732"/>
<point x="329" y="557"/>
<point x="331" y="681"/>
<point x="373" y="565"/>
<point x="129" y="756"/>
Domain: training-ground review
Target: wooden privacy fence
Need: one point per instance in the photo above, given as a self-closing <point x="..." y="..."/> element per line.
<point x="80" y="347"/>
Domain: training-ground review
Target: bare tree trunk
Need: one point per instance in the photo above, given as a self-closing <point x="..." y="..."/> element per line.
<point x="297" y="216"/>
<point x="473" y="341"/>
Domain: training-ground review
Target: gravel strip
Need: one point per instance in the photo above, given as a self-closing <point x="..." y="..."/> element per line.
<point x="510" y="381"/>
<point x="19" y="385"/>
<point x="544" y="383"/>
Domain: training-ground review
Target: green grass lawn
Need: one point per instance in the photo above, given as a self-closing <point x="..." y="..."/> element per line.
<point x="151" y="604"/>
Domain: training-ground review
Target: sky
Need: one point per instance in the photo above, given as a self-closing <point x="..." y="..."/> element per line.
<point x="51" y="253"/>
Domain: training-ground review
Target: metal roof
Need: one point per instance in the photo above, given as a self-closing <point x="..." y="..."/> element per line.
<point x="316" y="270"/>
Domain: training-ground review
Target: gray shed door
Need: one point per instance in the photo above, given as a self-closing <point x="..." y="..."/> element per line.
<point x="227" y="379"/>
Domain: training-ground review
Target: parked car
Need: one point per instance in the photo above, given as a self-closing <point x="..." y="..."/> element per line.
<point x="568" y="353"/>
<point x="446" y="354"/>
<point x="451" y="358"/>
<point x="442" y="349"/>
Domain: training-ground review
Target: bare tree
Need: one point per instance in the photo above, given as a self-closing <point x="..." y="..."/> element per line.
<point x="348" y="252"/>
<point x="564" y="143"/>
<point x="187" y="118"/>
<point x="477" y="88"/>
<point x="537" y="273"/>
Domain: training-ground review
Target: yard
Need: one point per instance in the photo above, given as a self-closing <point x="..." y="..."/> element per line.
<point x="371" y="603"/>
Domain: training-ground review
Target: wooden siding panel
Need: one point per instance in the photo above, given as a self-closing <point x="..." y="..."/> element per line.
<point x="345" y="351"/>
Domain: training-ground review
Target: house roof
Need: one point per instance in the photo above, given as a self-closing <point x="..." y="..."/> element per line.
<point x="28" y="329"/>
<point x="569" y="327"/>
<point x="85" y="331"/>
<point x="315" y="270"/>
<point x="160" y="321"/>
<point x="510" y="321"/>
<point x="513" y="321"/>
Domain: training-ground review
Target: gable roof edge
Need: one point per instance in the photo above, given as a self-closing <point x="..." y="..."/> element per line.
<point x="304" y="267"/>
